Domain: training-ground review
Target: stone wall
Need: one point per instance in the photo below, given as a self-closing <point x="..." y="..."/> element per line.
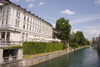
<point x="35" y="60"/>
<point x="99" y="45"/>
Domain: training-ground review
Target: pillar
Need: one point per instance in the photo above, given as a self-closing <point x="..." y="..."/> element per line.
<point x="68" y="46"/>
<point x="1" y="56"/>
<point x="20" y="54"/>
<point x="0" y="35"/>
<point x="5" y="36"/>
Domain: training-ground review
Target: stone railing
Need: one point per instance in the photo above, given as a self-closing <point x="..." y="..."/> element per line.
<point x="6" y="43"/>
<point x="10" y="58"/>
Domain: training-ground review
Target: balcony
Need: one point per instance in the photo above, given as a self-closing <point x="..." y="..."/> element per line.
<point x="9" y="43"/>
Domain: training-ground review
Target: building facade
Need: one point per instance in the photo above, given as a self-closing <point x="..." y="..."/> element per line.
<point x="93" y="39"/>
<point x="97" y="39"/>
<point x="18" y="24"/>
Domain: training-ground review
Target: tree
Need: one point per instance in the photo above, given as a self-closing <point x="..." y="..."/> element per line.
<point x="74" y="45"/>
<point x="88" y="42"/>
<point x="79" y="38"/>
<point x="72" y="36"/>
<point x="63" y="29"/>
<point x="94" y="42"/>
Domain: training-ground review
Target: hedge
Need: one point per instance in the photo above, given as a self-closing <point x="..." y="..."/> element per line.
<point x="40" y="47"/>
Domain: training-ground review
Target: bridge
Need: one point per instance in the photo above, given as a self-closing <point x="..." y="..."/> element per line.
<point x="93" y="45"/>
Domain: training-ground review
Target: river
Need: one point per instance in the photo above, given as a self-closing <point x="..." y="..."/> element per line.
<point x="87" y="57"/>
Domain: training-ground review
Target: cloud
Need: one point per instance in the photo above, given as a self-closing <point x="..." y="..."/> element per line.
<point x="15" y="0"/>
<point x="92" y="32"/>
<point x="85" y="18"/>
<point x="75" y="30"/>
<point x="54" y="25"/>
<point x="93" y="27"/>
<point x="97" y="2"/>
<point x="67" y="12"/>
<point x="30" y="5"/>
<point x="30" y="0"/>
<point x="41" y="3"/>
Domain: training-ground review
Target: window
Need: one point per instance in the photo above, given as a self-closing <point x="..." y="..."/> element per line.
<point x="17" y="14"/>
<point x="30" y="27"/>
<point x="7" y="11"/>
<point x="3" y="13"/>
<point x="6" y="21"/>
<point x="28" y="19"/>
<point x="23" y="35"/>
<point x="26" y="35"/>
<point x="27" y="26"/>
<point x="24" y="26"/>
<point x="33" y="28"/>
<point x="17" y="23"/>
<point x="24" y="17"/>
<point x="33" y="21"/>
<point x="2" y="22"/>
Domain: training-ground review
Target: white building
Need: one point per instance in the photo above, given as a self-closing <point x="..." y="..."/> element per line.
<point x="17" y="24"/>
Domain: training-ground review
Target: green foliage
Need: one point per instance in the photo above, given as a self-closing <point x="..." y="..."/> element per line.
<point x="65" y="47"/>
<point x="94" y="42"/>
<point x="40" y="47"/>
<point x="13" y="47"/>
<point x="74" y="45"/>
<point x="88" y="42"/>
<point x="79" y="38"/>
<point x="63" y="29"/>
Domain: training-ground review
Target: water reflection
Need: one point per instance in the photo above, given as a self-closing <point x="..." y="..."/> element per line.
<point x="87" y="57"/>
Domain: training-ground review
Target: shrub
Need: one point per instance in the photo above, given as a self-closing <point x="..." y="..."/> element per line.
<point x="40" y="47"/>
<point x="65" y="47"/>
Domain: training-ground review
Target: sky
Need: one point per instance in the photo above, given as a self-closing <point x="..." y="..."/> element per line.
<point x="83" y="15"/>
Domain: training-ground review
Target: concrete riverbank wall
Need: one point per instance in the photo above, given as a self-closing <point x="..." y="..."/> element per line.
<point x="36" y="60"/>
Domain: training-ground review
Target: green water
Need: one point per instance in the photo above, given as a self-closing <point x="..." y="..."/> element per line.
<point x="87" y="57"/>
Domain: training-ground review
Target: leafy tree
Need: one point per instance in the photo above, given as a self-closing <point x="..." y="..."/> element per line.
<point x="74" y="45"/>
<point x="94" y="42"/>
<point x="63" y="29"/>
<point x="88" y="42"/>
<point x="72" y="36"/>
<point x="79" y="38"/>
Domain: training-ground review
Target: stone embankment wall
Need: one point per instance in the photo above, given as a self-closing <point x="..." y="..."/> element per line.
<point x="99" y="45"/>
<point x="36" y="60"/>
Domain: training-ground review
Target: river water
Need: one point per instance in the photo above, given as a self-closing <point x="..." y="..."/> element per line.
<point x="87" y="57"/>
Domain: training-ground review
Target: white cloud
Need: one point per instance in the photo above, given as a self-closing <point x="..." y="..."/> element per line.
<point x="41" y="3"/>
<point x="30" y="0"/>
<point x="93" y="27"/>
<point x="30" y="5"/>
<point x="97" y="2"/>
<point x="54" y="25"/>
<point x="75" y="30"/>
<point x="85" y="18"/>
<point x="92" y="32"/>
<point x="67" y="12"/>
<point x="15" y="0"/>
